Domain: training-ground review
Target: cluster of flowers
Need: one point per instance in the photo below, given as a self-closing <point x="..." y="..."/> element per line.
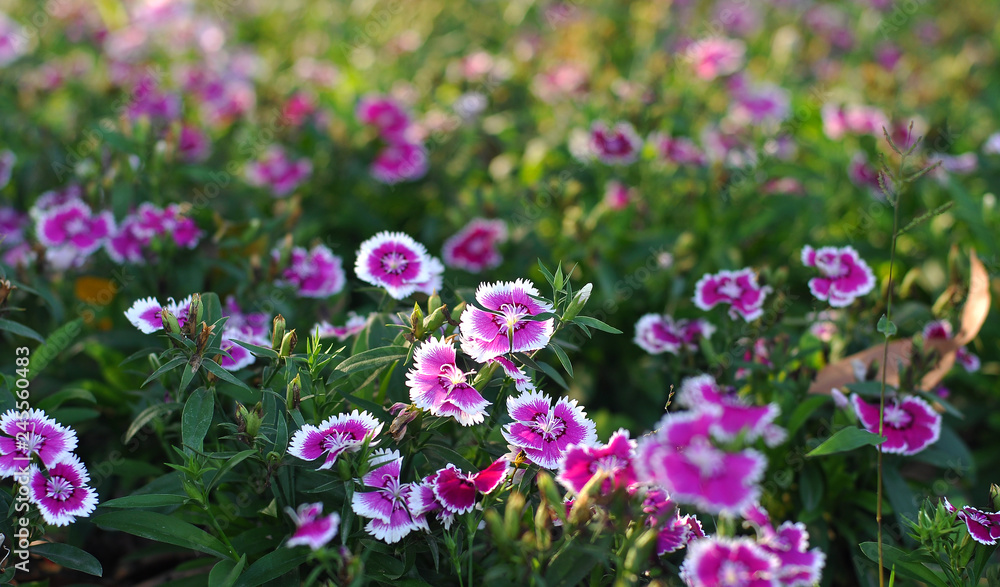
<point x="71" y="231"/>
<point x="400" y="159"/>
<point x="38" y="453"/>
<point x="278" y="172"/>
<point x="844" y="277"/>
<point x="941" y="330"/>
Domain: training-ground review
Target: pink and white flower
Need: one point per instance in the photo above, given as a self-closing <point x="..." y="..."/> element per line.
<point x="521" y="380"/>
<point x="61" y="492"/>
<point x="13" y="40"/>
<point x="764" y="103"/>
<point x="676" y="531"/>
<point x="74" y="226"/>
<point x="968" y="361"/>
<point x="393" y="261"/>
<point x="856" y="119"/>
<point x="240" y="356"/>
<point x="733" y="415"/>
<point x="314" y="273"/>
<point x="618" y="145"/>
<point x="435" y="279"/>
<point x="450" y="491"/>
<point x="474" y="247"/>
<point x="440" y="387"/>
<point x="352" y="326"/>
<point x="506" y="326"/>
<point x="864" y="175"/>
<point x="910" y="424"/>
<point x="278" y="172"/>
<point x="144" y="314"/>
<point x="32" y="433"/>
<point x="386" y="115"/>
<point x="726" y="562"/>
<point x="579" y="464"/>
<point x="798" y="565"/>
<point x="937" y="330"/>
<point x="312" y="528"/>
<point x="681" y="458"/>
<point x="387" y="505"/>
<point x="678" y="150"/>
<point x="545" y="431"/>
<point x="714" y="57"/>
<point x="617" y="195"/>
<point x="339" y="434"/>
<point x="984" y="527"/>
<point x="193" y="145"/>
<point x="739" y="289"/>
<point x="12" y="225"/>
<point x="659" y="333"/>
<point x="398" y="162"/>
<point x="844" y="274"/>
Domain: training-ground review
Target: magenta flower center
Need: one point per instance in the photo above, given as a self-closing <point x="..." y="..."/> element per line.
<point x="59" y="488"/>
<point x="730" y="289"/>
<point x="831" y="266"/>
<point x="733" y="573"/>
<point x="703" y="455"/>
<point x="451" y="377"/>
<point x="76" y="226"/>
<point x="608" y="465"/>
<point x="393" y="489"/>
<point x="512" y="314"/>
<point x="337" y="439"/>
<point x="549" y="427"/>
<point x="897" y="417"/>
<point x="394" y="263"/>
<point x="30" y="442"/>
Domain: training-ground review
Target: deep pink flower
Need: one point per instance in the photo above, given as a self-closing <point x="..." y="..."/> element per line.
<point x="278" y="172"/>
<point x="764" y="103"/>
<point x="739" y="289"/>
<point x="21" y="255"/>
<point x="74" y="226"/>
<point x="728" y="562"/>
<point x="909" y="425"/>
<point x="937" y="330"/>
<point x="714" y="57"/>
<point x="506" y="327"/>
<point x="402" y="161"/>
<point x="255" y="323"/>
<point x="144" y="314"/>
<point x="148" y="100"/>
<point x="32" y="433"/>
<point x="579" y="464"/>
<point x="342" y="433"/>
<point x="617" y="195"/>
<point x="678" y="150"/>
<point x="675" y="530"/>
<point x="393" y="261"/>
<point x="521" y="380"/>
<point x="544" y="431"/>
<point x="314" y="273"/>
<point x="12" y="225"/>
<point x="798" y="566"/>
<point x="844" y="274"/>
<point x="863" y="174"/>
<point x="297" y="108"/>
<point x="440" y="387"/>
<point x="352" y="326"/>
<point x="681" y="458"/>
<point x="239" y="356"/>
<point x="435" y="277"/>
<point x="474" y="247"/>
<point x="54" y="198"/>
<point x="969" y="361"/>
<point x="618" y="145"/>
<point x="659" y="333"/>
<point x="193" y="145"/>
<point x="312" y="528"/>
<point x="733" y="415"/>
<point x="386" y="115"/>
<point x="387" y="505"/>
<point x="128" y="243"/>
<point x="984" y="527"/>
<point x="61" y="492"/>
<point x="855" y="119"/>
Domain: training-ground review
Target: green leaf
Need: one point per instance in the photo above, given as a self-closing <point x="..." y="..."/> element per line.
<point x="845" y="440"/>
<point x="811" y="487"/>
<point x="371" y="359"/>
<point x="595" y="324"/>
<point x="70" y="557"/>
<point x="983" y="554"/>
<point x="273" y="565"/>
<point x="230" y="465"/>
<point x="226" y="572"/>
<point x="801" y="413"/>
<point x="904" y="567"/>
<point x="58" y="398"/>
<point x="164" y="368"/>
<point x="196" y="419"/>
<point x="563" y="359"/>
<point x="146" y="416"/>
<point x="258" y="351"/>
<point x="217" y="370"/>
<point x="166" y="529"/>
<point x="20" y="330"/>
<point x="150" y="500"/>
<point x="551" y="372"/>
<point x="56" y="343"/>
<point x="886" y="326"/>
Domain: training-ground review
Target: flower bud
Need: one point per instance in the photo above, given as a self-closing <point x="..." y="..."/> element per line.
<point x="288" y="343"/>
<point x="170" y="323"/>
<point x="248" y="422"/>
<point x="457" y="312"/>
<point x="435" y="320"/>
<point x="277" y="332"/>
<point x="417" y="322"/>
<point x="192" y="491"/>
<point x="196" y="311"/>
<point x="406" y="414"/>
<point x="293" y="393"/>
<point x="995" y="496"/>
<point x="579" y="301"/>
<point x="433" y="303"/>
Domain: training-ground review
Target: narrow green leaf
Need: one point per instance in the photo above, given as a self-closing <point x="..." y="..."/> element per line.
<point x="595" y="324"/>
<point x="273" y="565"/>
<point x="217" y="370"/>
<point x="196" y="419"/>
<point x="801" y="413"/>
<point x="20" y="330"/>
<point x="70" y="557"/>
<point x="54" y="344"/>
<point x="371" y="359"/>
<point x="551" y="372"/>
<point x="147" y="415"/>
<point x="845" y="440"/>
<point x="226" y="572"/>
<point x="229" y="466"/>
<point x="563" y="358"/>
<point x="150" y="500"/>
<point x="58" y="398"/>
<point x="164" y="368"/>
<point x="166" y="529"/>
<point x="904" y="568"/>
<point x="258" y="351"/>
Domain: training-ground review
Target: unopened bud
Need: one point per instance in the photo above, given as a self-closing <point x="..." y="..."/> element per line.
<point x="277" y="332"/>
<point x="5" y="288"/>
<point x="433" y="303"/>
<point x="579" y="301"/>
<point x="293" y="393"/>
<point x="196" y="311"/>
<point x="457" y="312"/>
<point x="288" y="344"/>
<point x="995" y="496"/>
<point x="406" y="414"/>
<point x="417" y="322"/>
<point x="435" y="320"/>
<point x="170" y="323"/>
<point x="192" y="491"/>
<point x="248" y="422"/>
